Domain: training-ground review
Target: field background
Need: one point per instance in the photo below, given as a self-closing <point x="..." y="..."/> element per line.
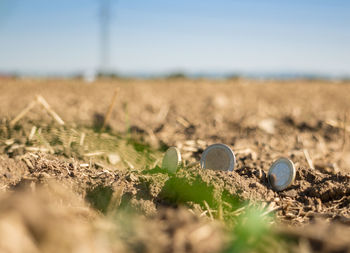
<point x="305" y="120"/>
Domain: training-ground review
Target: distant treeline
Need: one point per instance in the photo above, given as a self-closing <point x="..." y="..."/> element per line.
<point x="179" y="75"/>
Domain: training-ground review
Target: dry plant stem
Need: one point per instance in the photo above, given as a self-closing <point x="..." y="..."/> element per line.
<point x="96" y="153"/>
<point x="308" y="159"/>
<point x="271" y="208"/>
<point x="344" y="131"/>
<point x="47" y="107"/>
<point x="183" y="121"/>
<point x="38" y="149"/>
<point x="238" y="211"/>
<point x="82" y="139"/>
<point x="32" y="132"/>
<point x="191" y="211"/>
<point x="335" y="124"/>
<point x="129" y="164"/>
<point x="23" y="113"/>
<point x="155" y="163"/>
<point x="110" y="108"/>
<point x="209" y="211"/>
<point x="203" y="213"/>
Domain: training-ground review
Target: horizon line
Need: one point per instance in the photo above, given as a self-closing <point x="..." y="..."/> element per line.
<point x="179" y="73"/>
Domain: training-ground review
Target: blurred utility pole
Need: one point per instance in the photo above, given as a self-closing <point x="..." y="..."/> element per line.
<point x="105" y="20"/>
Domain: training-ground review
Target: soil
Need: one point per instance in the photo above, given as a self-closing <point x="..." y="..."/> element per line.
<point x="260" y="121"/>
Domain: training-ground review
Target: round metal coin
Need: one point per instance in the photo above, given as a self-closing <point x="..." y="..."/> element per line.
<point x="218" y="157"/>
<point x="281" y="174"/>
<point x="171" y="159"/>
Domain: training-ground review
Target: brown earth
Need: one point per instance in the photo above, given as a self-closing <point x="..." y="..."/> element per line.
<point x="259" y="120"/>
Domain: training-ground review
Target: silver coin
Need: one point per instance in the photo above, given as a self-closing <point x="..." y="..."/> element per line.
<point x="171" y="159"/>
<point x="281" y="174"/>
<point x="218" y="157"/>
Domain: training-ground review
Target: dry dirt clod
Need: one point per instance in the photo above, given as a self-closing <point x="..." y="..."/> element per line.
<point x="113" y="158"/>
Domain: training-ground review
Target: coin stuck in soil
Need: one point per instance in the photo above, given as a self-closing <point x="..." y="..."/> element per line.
<point x="281" y="174"/>
<point x="171" y="159"/>
<point x="218" y="157"/>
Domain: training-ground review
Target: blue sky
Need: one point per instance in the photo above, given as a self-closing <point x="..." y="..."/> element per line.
<point x="154" y="36"/>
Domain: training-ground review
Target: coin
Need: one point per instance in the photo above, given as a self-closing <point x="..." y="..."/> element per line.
<point x="171" y="159"/>
<point x="281" y="174"/>
<point x="218" y="157"/>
